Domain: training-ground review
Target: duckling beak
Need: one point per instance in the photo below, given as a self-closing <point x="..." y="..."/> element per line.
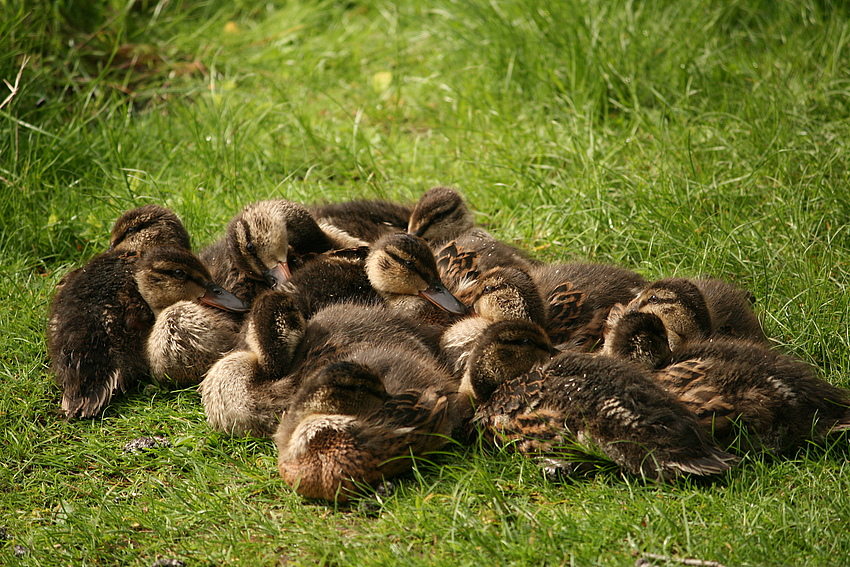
<point x="217" y="296"/>
<point x="278" y="275"/>
<point x="440" y="296"/>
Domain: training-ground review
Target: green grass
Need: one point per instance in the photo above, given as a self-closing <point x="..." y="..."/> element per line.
<point x="683" y="138"/>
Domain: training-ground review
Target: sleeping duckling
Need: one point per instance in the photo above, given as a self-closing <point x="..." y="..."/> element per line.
<point x="367" y="220"/>
<point x="254" y="255"/>
<point x="100" y="320"/>
<point x="398" y="270"/>
<point x="463" y="250"/>
<point x="579" y="297"/>
<point x="343" y="431"/>
<point x="681" y="307"/>
<point x="733" y="386"/>
<point x="688" y="314"/>
<point x="247" y="390"/>
<point x="500" y="294"/>
<point x="576" y="399"/>
<point x="144" y="227"/>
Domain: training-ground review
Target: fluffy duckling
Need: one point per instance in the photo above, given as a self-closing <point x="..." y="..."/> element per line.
<point x="100" y="319"/>
<point x="254" y="255"/>
<point x="690" y="315"/>
<point x="681" y="307"/>
<point x="247" y="390"/>
<point x="579" y="297"/>
<point x="144" y="227"/>
<point x="367" y="220"/>
<point x="402" y="269"/>
<point x="343" y="430"/>
<point x="576" y="399"/>
<point x="500" y="294"/>
<point x="737" y="386"/>
<point x="463" y="250"/>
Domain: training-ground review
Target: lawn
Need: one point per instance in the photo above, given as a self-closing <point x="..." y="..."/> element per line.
<point x="674" y="138"/>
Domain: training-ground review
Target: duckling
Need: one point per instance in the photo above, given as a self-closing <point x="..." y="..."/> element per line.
<point x="255" y="254"/>
<point x="579" y="297"/>
<point x="776" y="400"/>
<point x="100" y="319"/>
<point x="343" y="430"/>
<point x="500" y="294"/>
<point x="636" y="336"/>
<point x="247" y="390"/>
<point x="681" y="307"/>
<point x="463" y="250"/>
<point x="367" y="220"/>
<point x="575" y="399"/>
<point x="693" y="310"/>
<point x="403" y="271"/>
<point x="144" y="227"/>
<point x="398" y="270"/>
<point x="734" y="385"/>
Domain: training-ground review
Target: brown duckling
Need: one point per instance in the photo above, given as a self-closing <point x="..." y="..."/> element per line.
<point x="500" y="294"/>
<point x="100" y="319"/>
<point x="579" y="297"/>
<point x="681" y="307"/>
<point x="367" y="220"/>
<point x="736" y="386"/>
<point x="248" y="389"/>
<point x="579" y="399"/>
<point x="343" y="430"/>
<point x="144" y="227"/>
<point x="688" y="314"/>
<point x="402" y="269"/>
<point x="463" y="250"/>
<point x="398" y="270"/>
<point x="262" y="241"/>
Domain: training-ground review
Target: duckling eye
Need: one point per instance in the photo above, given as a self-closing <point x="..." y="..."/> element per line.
<point x="653" y="299"/>
<point x="250" y="247"/>
<point x="408" y="263"/>
<point x="488" y="289"/>
<point x="179" y="274"/>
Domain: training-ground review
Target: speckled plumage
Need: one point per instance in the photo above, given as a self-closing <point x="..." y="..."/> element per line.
<point x="579" y="297"/>
<point x="578" y="399"/>
<point x="777" y="400"/>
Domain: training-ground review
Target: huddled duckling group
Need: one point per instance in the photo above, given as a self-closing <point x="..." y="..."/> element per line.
<point x="364" y="334"/>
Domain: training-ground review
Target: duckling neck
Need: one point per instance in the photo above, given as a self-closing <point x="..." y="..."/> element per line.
<point x="275" y="350"/>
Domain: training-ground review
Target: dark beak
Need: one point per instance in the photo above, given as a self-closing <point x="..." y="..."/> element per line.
<point x="217" y="296"/>
<point x="440" y="296"/>
<point x="278" y="275"/>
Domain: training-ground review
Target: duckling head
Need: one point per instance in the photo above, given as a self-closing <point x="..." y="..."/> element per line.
<point x="166" y="275"/>
<point x="148" y="226"/>
<point x="441" y="214"/>
<point x="258" y="240"/>
<point x="274" y="330"/>
<point x="505" y="350"/>
<point x="401" y="265"/>
<point x="639" y="337"/>
<point x="681" y="307"/>
<point x="508" y="293"/>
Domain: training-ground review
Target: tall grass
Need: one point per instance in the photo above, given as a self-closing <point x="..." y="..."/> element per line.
<point x="682" y="137"/>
